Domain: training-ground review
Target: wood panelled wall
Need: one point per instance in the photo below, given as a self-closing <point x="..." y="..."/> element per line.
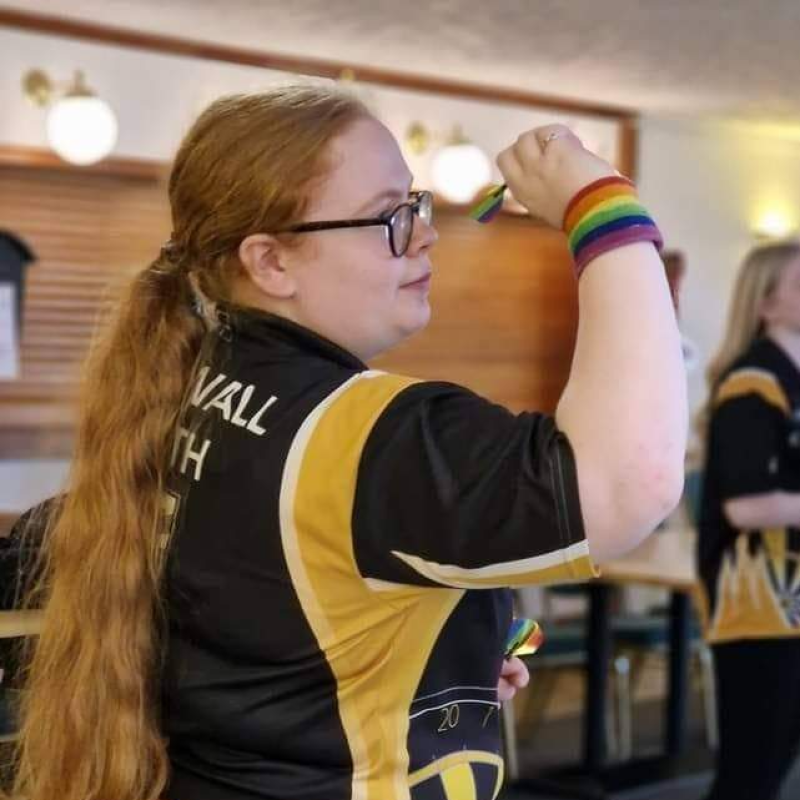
<point x="504" y="301"/>
<point x="89" y="232"/>
<point x="504" y="312"/>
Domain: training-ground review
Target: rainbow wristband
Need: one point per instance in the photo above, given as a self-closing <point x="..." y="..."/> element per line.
<point x="605" y="215"/>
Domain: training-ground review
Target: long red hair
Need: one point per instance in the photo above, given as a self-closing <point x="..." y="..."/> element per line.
<point x="90" y="712"/>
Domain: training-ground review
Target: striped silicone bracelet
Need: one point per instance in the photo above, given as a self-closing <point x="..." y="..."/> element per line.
<point x="605" y="215"/>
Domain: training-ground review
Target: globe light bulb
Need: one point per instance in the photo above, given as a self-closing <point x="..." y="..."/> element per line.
<point x="81" y="127"/>
<point x="459" y="170"/>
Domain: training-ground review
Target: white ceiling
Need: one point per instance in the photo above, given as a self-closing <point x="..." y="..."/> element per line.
<point x="738" y="58"/>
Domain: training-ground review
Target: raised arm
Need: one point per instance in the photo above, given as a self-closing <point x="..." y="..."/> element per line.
<point x="624" y="407"/>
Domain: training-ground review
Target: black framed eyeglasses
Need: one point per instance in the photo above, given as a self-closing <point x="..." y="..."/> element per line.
<point x="399" y="222"/>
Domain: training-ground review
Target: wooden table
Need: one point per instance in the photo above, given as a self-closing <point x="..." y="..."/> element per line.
<point x="16" y="623"/>
<point x="666" y="559"/>
<point x="19" y="623"/>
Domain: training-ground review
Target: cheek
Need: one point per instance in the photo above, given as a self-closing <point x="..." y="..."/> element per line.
<point x="382" y="279"/>
<point x="367" y="293"/>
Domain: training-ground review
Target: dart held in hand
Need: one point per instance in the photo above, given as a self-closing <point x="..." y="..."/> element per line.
<point x="525" y="637"/>
<point x="488" y="208"/>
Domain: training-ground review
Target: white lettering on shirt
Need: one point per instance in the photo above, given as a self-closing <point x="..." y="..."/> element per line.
<point x="232" y="399"/>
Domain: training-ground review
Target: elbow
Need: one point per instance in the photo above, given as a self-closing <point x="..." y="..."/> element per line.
<point x="635" y="503"/>
<point x="654" y="493"/>
<point x="664" y="488"/>
<point x="649" y="488"/>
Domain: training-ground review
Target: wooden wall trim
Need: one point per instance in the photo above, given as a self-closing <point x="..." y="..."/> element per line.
<point x="173" y="45"/>
<point x="627" y="153"/>
<point x="42" y="158"/>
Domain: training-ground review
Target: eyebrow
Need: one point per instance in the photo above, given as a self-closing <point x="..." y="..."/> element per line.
<point x="389" y="194"/>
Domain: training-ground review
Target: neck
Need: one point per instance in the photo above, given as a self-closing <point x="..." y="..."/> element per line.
<point x="244" y="294"/>
<point x="788" y="340"/>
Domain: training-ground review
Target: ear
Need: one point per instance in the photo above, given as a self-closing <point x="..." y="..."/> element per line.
<point x="262" y="257"/>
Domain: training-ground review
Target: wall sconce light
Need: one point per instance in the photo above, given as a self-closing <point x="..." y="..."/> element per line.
<point x="774" y="223"/>
<point x="417" y="138"/>
<point x="81" y="127"/>
<point x="459" y="168"/>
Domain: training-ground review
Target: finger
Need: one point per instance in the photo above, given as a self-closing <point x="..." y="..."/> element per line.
<point x="509" y="165"/>
<point x="509" y="666"/>
<point x="505" y="691"/>
<point x="517" y="672"/>
<point x="521" y="678"/>
<point x="528" y="149"/>
<point x="547" y="134"/>
<point x="522" y="178"/>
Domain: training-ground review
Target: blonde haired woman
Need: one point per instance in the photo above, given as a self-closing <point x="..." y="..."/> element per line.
<point x="749" y="545"/>
<point x="278" y="574"/>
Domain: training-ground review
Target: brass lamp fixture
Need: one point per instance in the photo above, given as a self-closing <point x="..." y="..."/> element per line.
<point x="459" y="169"/>
<point x="81" y="127"/>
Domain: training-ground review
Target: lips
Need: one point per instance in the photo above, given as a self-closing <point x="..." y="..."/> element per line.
<point x="423" y="279"/>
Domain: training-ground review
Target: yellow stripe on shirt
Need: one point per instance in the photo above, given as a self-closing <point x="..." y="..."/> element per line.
<point x="742" y="382"/>
<point x="377" y="645"/>
<point x="569" y="564"/>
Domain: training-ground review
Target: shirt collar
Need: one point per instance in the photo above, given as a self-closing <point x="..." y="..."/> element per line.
<point x="261" y="327"/>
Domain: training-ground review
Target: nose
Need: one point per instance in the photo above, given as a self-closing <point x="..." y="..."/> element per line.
<point x="423" y="237"/>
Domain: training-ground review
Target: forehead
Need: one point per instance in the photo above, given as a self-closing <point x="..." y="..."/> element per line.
<point x="364" y="161"/>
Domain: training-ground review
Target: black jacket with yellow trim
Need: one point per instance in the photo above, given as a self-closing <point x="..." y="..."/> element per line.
<point x="751" y="577"/>
<point x="339" y="542"/>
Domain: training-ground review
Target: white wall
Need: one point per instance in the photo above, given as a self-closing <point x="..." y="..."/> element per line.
<point x="156" y="97"/>
<point x="707" y="183"/>
<point x="25" y="483"/>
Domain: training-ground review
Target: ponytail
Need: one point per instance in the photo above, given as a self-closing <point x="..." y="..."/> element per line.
<point x="90" y="727"/>
<point x="92" y="676"/>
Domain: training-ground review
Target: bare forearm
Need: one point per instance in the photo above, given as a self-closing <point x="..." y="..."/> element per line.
<point x="771" y="510"/>
<point x="624" y="406"/>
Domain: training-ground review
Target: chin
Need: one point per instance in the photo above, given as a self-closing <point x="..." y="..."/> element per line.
<point x="418" y="323"/>
<point x="404" y="330"/>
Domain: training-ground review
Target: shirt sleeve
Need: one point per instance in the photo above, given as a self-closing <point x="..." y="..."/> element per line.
<point x="454" y="490"/>
<point x="748" y="434"/>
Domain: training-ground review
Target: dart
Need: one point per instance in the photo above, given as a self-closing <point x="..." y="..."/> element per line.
<point x="487" y="209"/>
<point x="525" y="637"/>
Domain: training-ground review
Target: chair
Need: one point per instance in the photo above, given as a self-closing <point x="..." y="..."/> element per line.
<point x="14" y="625"/>
<point x="564" y="647"/>
<point x="634" y="636"/>
<point x="17" y="558"/>
<point x="638" y="634"/>
<point x="8" y="728"/>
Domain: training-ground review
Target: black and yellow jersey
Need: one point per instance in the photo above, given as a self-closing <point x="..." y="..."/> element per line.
<point x="340" y="543"/>
<point x="751" y="577"/>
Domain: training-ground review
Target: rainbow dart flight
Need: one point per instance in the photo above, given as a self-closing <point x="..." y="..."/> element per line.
<point x="525" y="637"/>
<point x="486" y="210"/>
